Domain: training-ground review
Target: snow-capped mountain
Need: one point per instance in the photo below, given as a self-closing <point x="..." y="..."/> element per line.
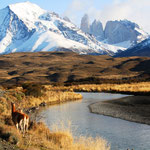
<point x="25" y="27"/>
<point x="141" y="49"/>
<point x="123" y="33"/>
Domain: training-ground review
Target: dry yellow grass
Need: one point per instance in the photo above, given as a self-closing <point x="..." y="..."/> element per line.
<point x="52" y="97"/>
<point x="133" y="87"/>
<point x="40" y="137"/>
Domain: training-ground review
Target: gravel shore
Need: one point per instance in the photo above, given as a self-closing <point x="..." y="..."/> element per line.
<point x="131" y="108"/>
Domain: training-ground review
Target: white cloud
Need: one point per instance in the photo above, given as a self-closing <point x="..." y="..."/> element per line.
<point x="76" y="5"/>
<point x="135" y="10"/>
<point x="77" y="9"/>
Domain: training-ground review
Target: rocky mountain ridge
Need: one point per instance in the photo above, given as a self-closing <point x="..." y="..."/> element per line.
<point x="25" y="27"/>
<point x="123" y="33"/>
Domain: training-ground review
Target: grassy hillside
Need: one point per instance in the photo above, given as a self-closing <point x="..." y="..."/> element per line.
<point x="67" y="67"/>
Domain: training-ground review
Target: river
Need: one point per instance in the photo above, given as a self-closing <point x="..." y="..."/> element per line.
<point x="119" y="133"/>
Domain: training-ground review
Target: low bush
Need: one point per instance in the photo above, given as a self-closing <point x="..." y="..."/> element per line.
<point x="33" y="89"/>
<point x="10" y="134"/>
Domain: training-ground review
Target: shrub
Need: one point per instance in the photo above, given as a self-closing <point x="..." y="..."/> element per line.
<point x="19" y="95"/>
<point x="1" y="108"/>
<point x="8" y="120"/>
<point x="10" y="134"/>
<point x="32" y="89"/>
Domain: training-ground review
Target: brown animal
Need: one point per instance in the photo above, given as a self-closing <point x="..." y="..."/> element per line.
<point x="20" y="119"/>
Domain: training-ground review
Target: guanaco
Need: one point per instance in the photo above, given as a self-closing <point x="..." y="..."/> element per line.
<point x="20" y="119"/>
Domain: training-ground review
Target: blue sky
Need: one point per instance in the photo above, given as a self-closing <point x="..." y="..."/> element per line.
<point x="53" y="5"/>
<point x="59" y="6"/>
<point x="135" y="10"/>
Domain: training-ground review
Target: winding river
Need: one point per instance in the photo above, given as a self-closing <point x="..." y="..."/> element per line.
<point x="119" y="133"/>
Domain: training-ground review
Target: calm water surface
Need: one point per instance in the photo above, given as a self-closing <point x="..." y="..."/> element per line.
<point x="121" y="134"/>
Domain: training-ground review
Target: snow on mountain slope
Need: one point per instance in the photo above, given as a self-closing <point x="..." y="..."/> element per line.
<point x="49" y="41"/>
<point x="27" y="12"/>
<point x="143" y="44"/>
<point x="26" y="27"/>
<point x="142" y="35"/>
<point x="141" y="49"/>
<point x="125" y="44"/>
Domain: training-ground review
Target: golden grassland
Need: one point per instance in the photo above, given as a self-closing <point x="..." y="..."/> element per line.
<point x="142" y="87"/>
<point x="39" y="137"/>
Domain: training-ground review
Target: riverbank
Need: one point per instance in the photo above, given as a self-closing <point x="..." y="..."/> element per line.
<point x="131" y="108"/>
<point x="39" y="137"/>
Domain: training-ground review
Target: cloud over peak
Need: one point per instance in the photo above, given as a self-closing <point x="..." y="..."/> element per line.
<point x="134" y="10"/>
